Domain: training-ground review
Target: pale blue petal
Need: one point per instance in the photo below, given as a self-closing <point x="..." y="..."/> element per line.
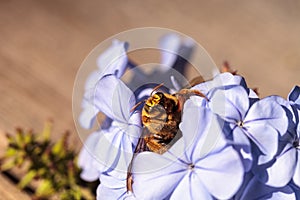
<point x="177" y="86"/>
<point x="169" y="46"/>
<point x="178" y="151"/>
<point x="89" y="174"/>
<point x="203" y="134"/>
<point x="129" y="196"/>
<point x="266" y="139"/>
<point x="298" y="129"/>
<point x="257" y="190"/>
<point x="231" y="104"/>
<point x="296" y="177"/>
<point x="92" y="80"/>
<point x="114" y="182"/>
<point x="243" y="146"/>
<point x="106" y="193"/>
<point x="288" y="109"/>
<point x="282" y="171"/>
<point x="221" y="80"/>
<point x="154" y="176"/>
<point x="114" y="150"/>
<point x="87" y="156"/>
<point x="287" y="194"/>
<point x="133" y="129"/>
<point x="199" y="101"/>
<point x="294" y="95"/>
<point x="192" y="130"/>
<point x="221" y="173"/>
<point x="267" y="111"/>
<point x="135" y="119"/>
<point x="114" y="98"/>
<point x="190" y="188"/>
<point x="211" y="141"/>
<point x="88" y="115"/>
<point x="114" y="60"/>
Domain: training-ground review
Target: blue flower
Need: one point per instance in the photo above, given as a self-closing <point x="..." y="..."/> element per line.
<point x="200" y="165"/>
<point x="286" y="165"/>
<point x="113" y="61"/>
<point x="115" y="148"/>
<point x="260" y="123"/>
<point x="175" y="52"/>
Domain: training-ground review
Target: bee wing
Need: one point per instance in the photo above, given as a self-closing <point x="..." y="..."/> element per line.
<point x="141" y="145"/>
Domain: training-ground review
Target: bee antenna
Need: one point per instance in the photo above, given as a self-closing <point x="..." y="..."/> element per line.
<point x="156" y="88"/>
<point x="136" y="105"/>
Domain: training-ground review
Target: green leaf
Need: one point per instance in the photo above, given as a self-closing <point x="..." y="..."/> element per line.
<point x="44" y="189"/>
<point x="58" y="148"/>
<point x="27" y="178"/>
<point x="19" y="138"/>
<point x="28" y="138"/>
<point x="19" y="161"/>
<point x="10" y="152"/>
<point x="47" y="131"/>
<point x="8" y="164"/>
<point x="73" y="193"/>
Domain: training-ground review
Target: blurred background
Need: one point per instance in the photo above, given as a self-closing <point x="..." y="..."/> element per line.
<point x="43" y="43"/>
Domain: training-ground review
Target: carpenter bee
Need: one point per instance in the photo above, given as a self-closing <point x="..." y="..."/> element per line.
<point x="161" y="116"/>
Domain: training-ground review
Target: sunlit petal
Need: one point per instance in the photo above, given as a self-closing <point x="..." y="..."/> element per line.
<point x="221" y="173"/>
<point x="155" y="177"/>
<point x="114" y="98"/>
<point x="190" y="188"/>
<point x="296" y="177"/>
<point x="231" y="104"/>
<point x="282" y="171"/>
<point x="267" y="111"/>
<point x="114" y="59"/>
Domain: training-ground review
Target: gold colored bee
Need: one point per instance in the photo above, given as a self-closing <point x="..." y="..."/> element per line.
<point x="161" y="116"/>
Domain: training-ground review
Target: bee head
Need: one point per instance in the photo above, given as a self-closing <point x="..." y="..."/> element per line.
<point x="155" y="99"/>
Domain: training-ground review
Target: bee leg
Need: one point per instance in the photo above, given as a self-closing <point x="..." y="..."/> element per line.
<point x="140" y="147"/>
<point x="129" y="182"/>
<point x="198" y="93"/>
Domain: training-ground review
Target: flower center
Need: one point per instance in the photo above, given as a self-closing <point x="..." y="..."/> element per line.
<point x="296" y="144"/>
<point x="191" y="166"/>
<point x="240" y="123"/>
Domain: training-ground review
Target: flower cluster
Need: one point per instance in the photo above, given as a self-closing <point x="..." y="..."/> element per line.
<point x="234" y="145"/>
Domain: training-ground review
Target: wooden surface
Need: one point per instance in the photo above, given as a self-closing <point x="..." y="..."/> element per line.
<point x="8" y="191"/>
<point x="42" y="44"/>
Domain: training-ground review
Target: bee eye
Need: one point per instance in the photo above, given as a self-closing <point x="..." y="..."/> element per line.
<point x="159" y="95"/>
